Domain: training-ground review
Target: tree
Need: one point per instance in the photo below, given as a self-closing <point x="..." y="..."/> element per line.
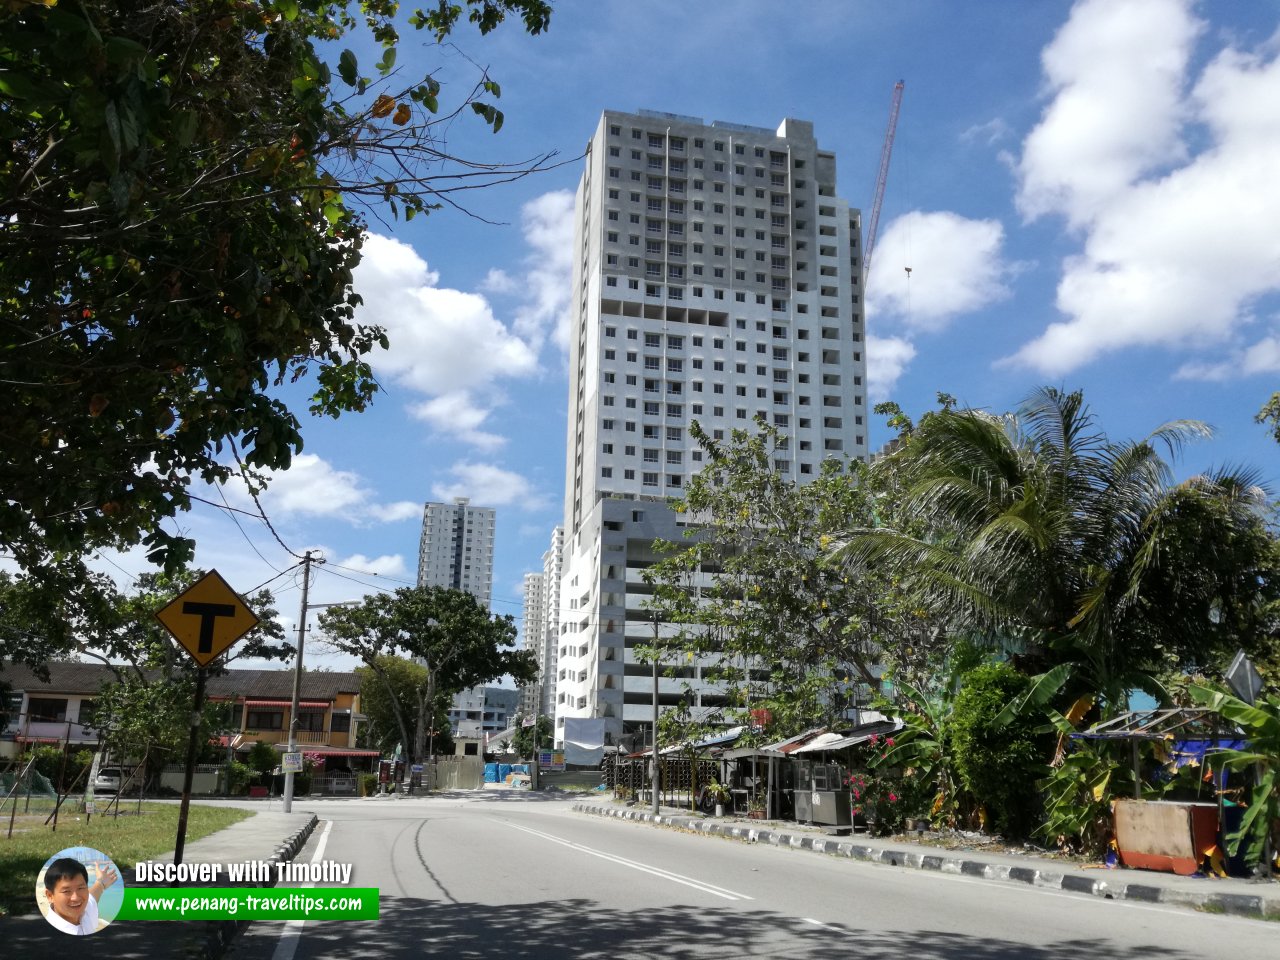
<point x="389" y="697"/>
<point x="998" y="762"/>
<point x="183" y="192"/>
<point x="1039" y="534"/>
<point x="535" y="737"/>
<point x="448" y="632"/>
<point x="750" y="588"/>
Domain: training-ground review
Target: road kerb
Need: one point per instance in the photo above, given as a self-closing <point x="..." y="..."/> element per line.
<point x="1108" y="886"/>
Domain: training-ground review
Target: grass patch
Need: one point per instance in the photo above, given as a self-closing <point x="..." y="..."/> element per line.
<point x="126" y="840"/>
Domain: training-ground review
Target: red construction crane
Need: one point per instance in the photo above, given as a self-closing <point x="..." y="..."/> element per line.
<point x="883" y="178"/>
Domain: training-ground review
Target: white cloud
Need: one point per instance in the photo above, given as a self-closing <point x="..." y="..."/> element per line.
<point x="887" y="360"/>
<point x="499" y="281"/>
<point x="488" y="486"/>
<point x="443" y="342"/>
<point x="459" y="414"/>
<point x="989" y="133"/>
<point x="314" y="487"/>
<point x="1177" y="259"/>
<point x="1115" y="72"/>
<point x="1257" y="358"/>
<point x="447" y="344"/>
<point x="387" y="565"/>
<point x="547" y="222"/>
<point x="956" y="268"/>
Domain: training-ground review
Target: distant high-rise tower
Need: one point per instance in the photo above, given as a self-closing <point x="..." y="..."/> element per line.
<point x="456" y="549"/>
<point x="541" y="625"/>
<point x="716" y="278"/>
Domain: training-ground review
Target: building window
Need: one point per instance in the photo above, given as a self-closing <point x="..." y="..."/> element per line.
<point x="47" y="709"/>
<point x="265" y="720"/>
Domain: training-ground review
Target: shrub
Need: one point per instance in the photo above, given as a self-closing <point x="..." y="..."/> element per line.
<point x="368" y="784"/>
<point x="998" y="763"/>
<point x="240" y="774"/>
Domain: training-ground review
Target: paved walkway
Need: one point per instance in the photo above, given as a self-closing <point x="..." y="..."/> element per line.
<point x="265" y="836"/>
<point x="1230" y="895"/>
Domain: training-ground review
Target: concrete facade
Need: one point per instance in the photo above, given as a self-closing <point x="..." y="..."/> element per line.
<point x="717" y="278"/>
<point x="456" y="548"/>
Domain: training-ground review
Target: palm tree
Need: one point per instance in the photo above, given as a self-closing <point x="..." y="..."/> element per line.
<point x="1037" y="533"/>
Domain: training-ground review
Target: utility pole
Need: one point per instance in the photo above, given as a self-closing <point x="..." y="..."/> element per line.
<point x="535" y="771"/>
<point x="297" y="680"/>
<point x="654" y="769"/>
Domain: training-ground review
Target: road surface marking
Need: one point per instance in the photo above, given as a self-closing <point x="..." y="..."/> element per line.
<point x="287" y="946"/>
<point x="816" y="923"/>
<point x="634" y="865"/>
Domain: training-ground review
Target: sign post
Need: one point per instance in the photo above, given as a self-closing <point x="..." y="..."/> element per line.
<point x="206" y="619"/>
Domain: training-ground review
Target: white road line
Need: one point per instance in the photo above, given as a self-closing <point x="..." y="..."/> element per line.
<point x="287" y="946"/>
<point x="632" y="864"/>
<point x="824" y="926"/>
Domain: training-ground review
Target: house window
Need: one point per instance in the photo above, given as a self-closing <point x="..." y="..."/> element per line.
<point x="341" y="723"/>
<point x="265" y="720"/>
<point x="311" y="720"/>
<point x="47" y="709"/>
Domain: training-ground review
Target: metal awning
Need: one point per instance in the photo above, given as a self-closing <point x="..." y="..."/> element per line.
<point x="836" y="741"/>
<point x="1182" y="723"/>
<point x="302" y="704"/>
<point x="330" y="751"/>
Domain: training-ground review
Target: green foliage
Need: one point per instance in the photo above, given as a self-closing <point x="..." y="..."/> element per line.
<point x="396" y="679"/>
<point x="1038" y="534"/>
<point x="1260" y="724"/>
<point x="1270" y="415"/>
<point x="452" y="636"/>
<point x="146" y="708"/>
<point x="998" y="762"/>
<point x="1078" y="793"/>
<point x="542" y="733"/>
<point x="923" y="751"/>
<point x="240" y="774"/>
<point x="49" y="764"/>
<point x="262" y="757"/>
<point x="791" y="634"/>
<point x="368" y="784"/>
<point x="183" y="186"/>
<point x="885" y="801"/>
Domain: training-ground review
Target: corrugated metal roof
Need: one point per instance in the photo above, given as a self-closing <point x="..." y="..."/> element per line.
<point x="836" y="741"/>
<point x="73" y="676"/>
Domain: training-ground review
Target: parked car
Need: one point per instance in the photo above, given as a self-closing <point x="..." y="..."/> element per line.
<point x="108" y="780"/>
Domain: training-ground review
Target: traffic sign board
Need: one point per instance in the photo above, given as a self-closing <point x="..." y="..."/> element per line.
<point x="207" y="618"/>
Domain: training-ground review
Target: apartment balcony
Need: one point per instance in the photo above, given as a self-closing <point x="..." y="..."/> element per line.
<point x="305" y="737"/>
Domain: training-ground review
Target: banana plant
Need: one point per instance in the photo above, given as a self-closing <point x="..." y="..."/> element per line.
<point x="1260" y="724"/>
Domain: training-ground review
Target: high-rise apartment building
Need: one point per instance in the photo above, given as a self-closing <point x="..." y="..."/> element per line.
<point x="532" y="628"/>
<point x="456" y="549"/>
<point x="716" y="278"/>
<point x="541" y="627"/>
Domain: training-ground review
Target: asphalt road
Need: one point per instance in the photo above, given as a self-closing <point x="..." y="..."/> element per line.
<point x="515" y="876"/>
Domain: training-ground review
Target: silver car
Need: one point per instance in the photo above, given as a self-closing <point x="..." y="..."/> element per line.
<point x="108" y="780"/>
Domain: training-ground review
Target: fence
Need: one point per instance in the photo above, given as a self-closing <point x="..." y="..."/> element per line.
<point x="679" y="778"/>
<point x="459" y="773"/>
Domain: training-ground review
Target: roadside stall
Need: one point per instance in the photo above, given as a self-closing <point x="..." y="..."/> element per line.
<point x="1176" y="834"/>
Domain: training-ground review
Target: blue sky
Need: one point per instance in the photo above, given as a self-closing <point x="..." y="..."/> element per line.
<point x="1086" y="194"/>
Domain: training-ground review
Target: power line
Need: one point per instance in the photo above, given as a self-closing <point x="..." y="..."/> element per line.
<point x="252" y="545"/>
<point x="235" y="451"/>
<point x="107" y="559"/>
